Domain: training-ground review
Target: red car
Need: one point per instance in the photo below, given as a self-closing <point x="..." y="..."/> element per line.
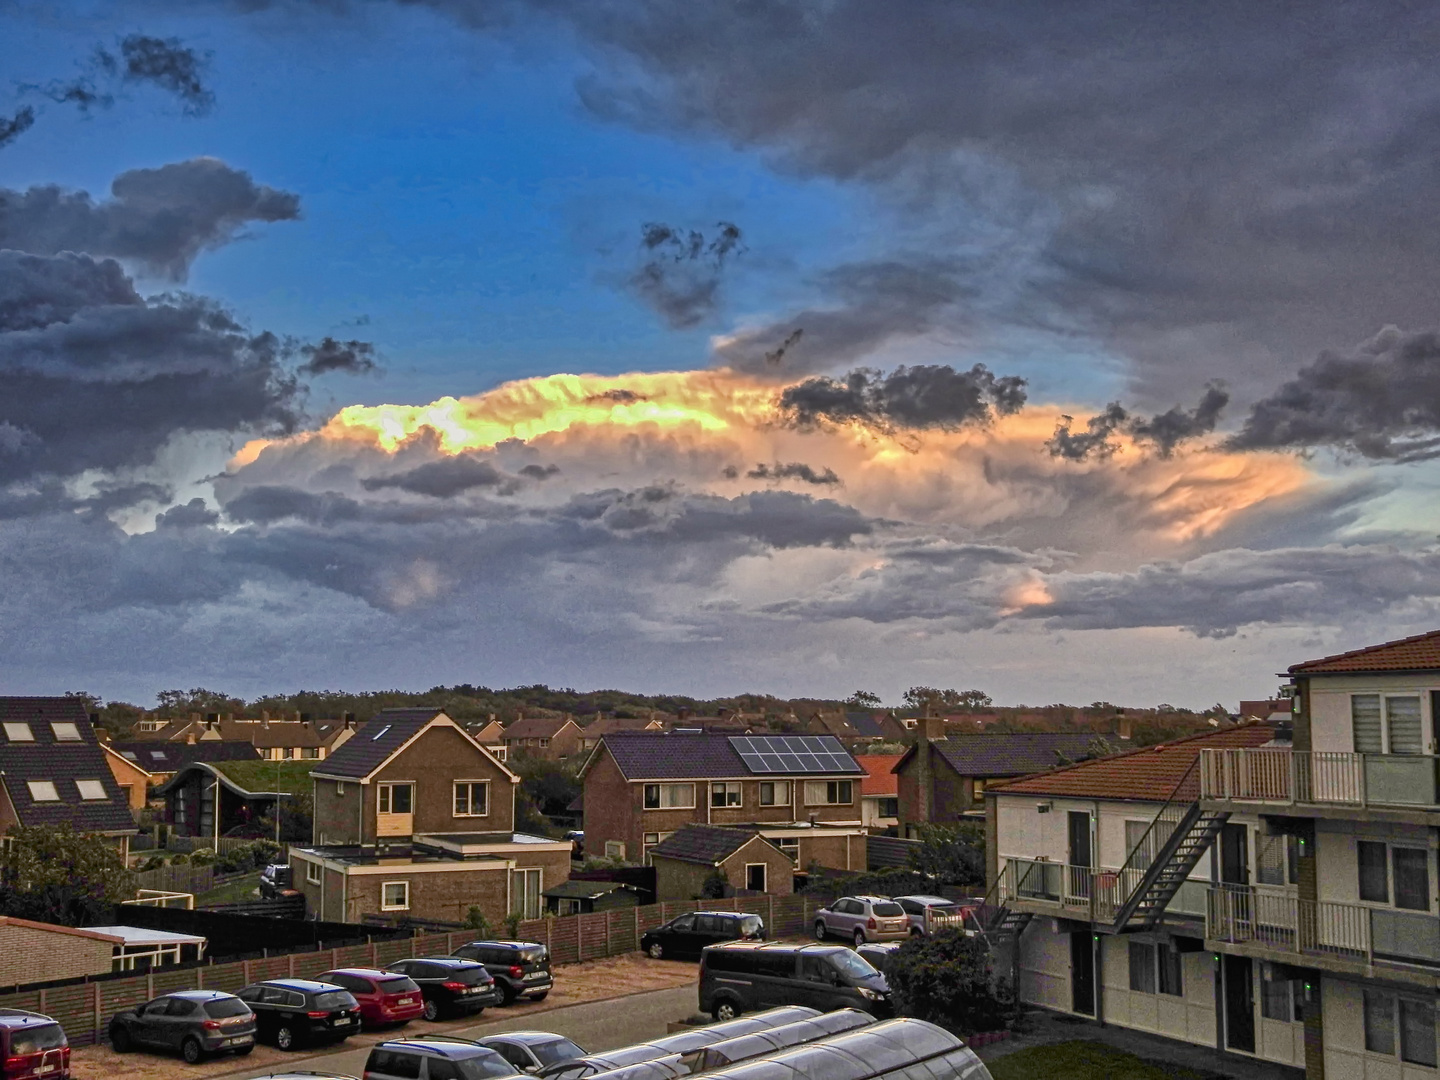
<point x="385" y="998"/>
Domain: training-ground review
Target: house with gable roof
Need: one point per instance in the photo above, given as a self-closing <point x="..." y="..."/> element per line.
<point x="747" y="861"/>
<point x="416" y="819"/>
<point x="553" y="737"/>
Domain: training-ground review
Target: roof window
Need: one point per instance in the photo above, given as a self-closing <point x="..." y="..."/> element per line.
<point x="130" y="754"/>
<point x="158" y="755"/>
<point x="379" y="733"/>
<point x="19" y="733"/>
<point x="43" y="790"/>
<point x="91" y="789"/>
<point x="66" y="732"/>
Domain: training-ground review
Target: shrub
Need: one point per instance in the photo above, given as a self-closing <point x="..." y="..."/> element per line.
<point x="947" y="979"/>
<point x="512" y="923"/>
<point x="201" y="857"/>
<point x="714" y="886"/>
<point x="475" y="920"/>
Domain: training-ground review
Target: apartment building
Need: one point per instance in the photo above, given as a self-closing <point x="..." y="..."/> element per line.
<point x="414" y="819"/>
<point x="800" y="792"/>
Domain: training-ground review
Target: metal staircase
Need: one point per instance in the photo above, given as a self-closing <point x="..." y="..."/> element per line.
<point x="995" y="921"/>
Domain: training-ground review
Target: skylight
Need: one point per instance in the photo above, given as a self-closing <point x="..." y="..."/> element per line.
<point x="42" y="790"/>
<point x="66" y="732"/>
<point x="129" y="754"/>
<point x="19" y="733"/>
<point x="158" y="755"/>
<point x="90" y="789"/>
<point x="372" y="737"/>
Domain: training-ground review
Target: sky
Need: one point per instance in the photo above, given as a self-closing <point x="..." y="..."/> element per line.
<point x="1070" y="352"/>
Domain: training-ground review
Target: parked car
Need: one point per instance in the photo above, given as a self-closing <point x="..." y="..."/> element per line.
<point x="197" y="1023"/>
<point x="531" y="1051"/>
<point x="277" y="880"/>
<point x="519" y="968"/>
<point x="861" y="919"/>
<point x="684" y="936"/>
<point x="441" y="1057"/>
<point x="930" y="913"/>
<point x="451" y="986"/>
<point x="879" y="954"/>
<point x="32" y="1044"/>
<point x="741" y="976"/>
<point x="384" y="997"/>
<point x="307" y="1074"/>
<point x="290" y="1013"/>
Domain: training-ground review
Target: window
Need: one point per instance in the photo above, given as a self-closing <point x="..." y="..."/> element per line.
<point x="1142" y="967"/>
<point x="1276" y="860"/>
<point x="651" y="839"/>
<point x="544" y="742"/>
<point x="395" y="896"/>
<point x="790" y="845"/>
<point x="1374" y="885"/>
<point x="19" y="733"/>
<point x="1385" y="1014"/>
<point x="91" y="789"/>
<point x="312" y="873"/>
<point x="472" y="798"/>
<point x="396" y="798"/>
<point x="1402" y="722"/>
<point x="1365" y="723"/>
<point x="394" y="1063"/>
<point x="669" y="796"/>
<point x="829" y="792"/>
<point x="615" y="849"/>
<point x="1412" y="878"/>
<point x="310" y="752"/>
<point x="1396" y="728"/>
<point x="43" y="790"/>
<point x="66" y="732"/>
<point x="525" y="895"/>
<point x="889" y="808"/>
<point x="1172" y="971"/>
<point x="1135" y="835"/>
<point x="977" y="788"/>
<point x="1281" y="999"/>
<point x="775" y="793"/>
<point x="755" y="877"/>
<point x="288" y="753"/>
<point x="725" y="794"/>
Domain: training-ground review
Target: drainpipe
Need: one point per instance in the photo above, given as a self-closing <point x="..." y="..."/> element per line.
<point x="360" y="814"/>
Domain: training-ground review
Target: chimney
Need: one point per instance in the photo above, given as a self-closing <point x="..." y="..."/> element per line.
<point x="349" y="719"/>
<point x="683" y="713"/>
<point x="265" y="719"/>
<point x="190" y="737"/>
<point x="212" y="720"/>
<point x="930" y="729"/>
<point x="305" y="719"/>
<point x="1124" y="727"/>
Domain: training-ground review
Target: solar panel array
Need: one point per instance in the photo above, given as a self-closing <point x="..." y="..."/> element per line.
<point x="793" y="754"/>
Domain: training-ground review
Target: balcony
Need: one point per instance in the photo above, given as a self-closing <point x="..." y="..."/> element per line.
<point x="1320" y="778"/>
<point x="1352" y="934"/>
<point x="1086" y="893"/>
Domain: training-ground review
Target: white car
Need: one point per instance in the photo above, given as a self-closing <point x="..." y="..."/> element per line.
<point x="861" y="919"/>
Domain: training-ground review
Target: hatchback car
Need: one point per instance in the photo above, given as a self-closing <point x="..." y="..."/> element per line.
<point x="384" y="997"/>
<point x="451" y="986"/>
<point x="301" y="1012"/>
<point x="435" y="1057"/>
<point x="197" y="1023"/>
<point x="519" y="968"/>
<point x="531" y="1051"/>
<point x="861" y="919"/>
<point x="879" y="954"/>
<point x="930" y="913"/>
<point x="32" y="1044"/>
<point x="684" y="936"/>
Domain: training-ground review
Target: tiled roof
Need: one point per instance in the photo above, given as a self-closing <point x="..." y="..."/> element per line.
<point x="1148" y="775"/>
<point x="62" y="764"/>
<point x="367" y="749"/>
<point x="536" y="727"/>
<point x="1011" y="753"/>
<point x="866" y="724"/>
<point x="263" y="734"/>
<point x="707" y="845"/>
<point x="879" y="780"/>
<point x="668" y="756"/>
<point x="172" y="756"/>
<point x="1419" y="653"/>
<point x="608" y="725"/>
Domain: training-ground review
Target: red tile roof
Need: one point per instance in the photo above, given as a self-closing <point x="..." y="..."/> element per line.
<point x="879" y="780"/>
<point x="1418" y="653"/>
<point x="1148" y="775"/>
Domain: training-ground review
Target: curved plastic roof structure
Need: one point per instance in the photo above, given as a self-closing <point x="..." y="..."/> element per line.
<point x="759" y="1043"/>
<point x="902" y="1049"/>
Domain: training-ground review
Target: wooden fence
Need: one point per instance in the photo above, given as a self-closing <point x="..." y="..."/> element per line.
<point x="84" y="1009"/>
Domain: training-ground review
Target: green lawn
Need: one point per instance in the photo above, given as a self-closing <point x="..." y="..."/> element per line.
<point x="1084" y="1060"/>
<point x="232" y="892"/>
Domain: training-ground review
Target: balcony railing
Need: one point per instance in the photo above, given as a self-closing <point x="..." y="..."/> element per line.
<point x="1244" y="914"/>
<point x="1320" y="777"/>
<point x="1089" y="892"/>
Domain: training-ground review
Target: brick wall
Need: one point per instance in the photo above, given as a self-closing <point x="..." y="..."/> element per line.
<point x="337" y="817"/>
<point x="435" y="761"/>
<point x="779" y="870"/>
<point x="29" y="954"/>
<point x="612" y="809"/>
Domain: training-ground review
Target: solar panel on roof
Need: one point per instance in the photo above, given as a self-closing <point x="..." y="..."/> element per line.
<point x="792" y="753"/>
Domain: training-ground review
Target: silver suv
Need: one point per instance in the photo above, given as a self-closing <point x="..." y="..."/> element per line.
<point x="930" y="913"/>
<point x="862" y="919"/>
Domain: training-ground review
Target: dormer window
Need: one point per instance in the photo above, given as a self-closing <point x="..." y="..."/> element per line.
<point x="42" y="790"/>
<point x="19" y="733"/>
<point x="66" y="732"/>
<point x="91" y="789"/>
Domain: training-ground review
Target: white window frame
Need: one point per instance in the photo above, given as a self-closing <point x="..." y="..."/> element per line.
<point x="384" y="885"/>
<point x="725" y="789"/>
<point x="384" y="795"/>
<point x="764" y="874"/>
<point x="664" y="790"/>
<point x="517" y="897"/>
<point x="822" y="787"/>
<point x="470" y="786"/>
<point x="1385" y="733"/>
<point x="312" y="872"/>
<point x="91" y="798"/>
<point x="775" y="787"/>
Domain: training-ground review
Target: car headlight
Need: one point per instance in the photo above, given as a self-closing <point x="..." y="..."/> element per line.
<point x="866" y="992"/>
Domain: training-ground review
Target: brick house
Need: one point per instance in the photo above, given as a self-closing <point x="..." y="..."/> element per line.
<point x="491" y="735"/>
<point x="553" y="737"/>
<point x="749" y="863"/>
<point x="857" y="726"/>
<point x="300" y="739"/>
<point x="415" y="819"/>
<point x="162" y="760"/>
<point x="943" y="779"/>
<point x="802" y="792"/>
<point x="601" y="726"/>
<point x="879" y="792"/>
<point x="134" y="782"/>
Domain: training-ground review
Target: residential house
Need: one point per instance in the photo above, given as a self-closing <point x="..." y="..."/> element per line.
<point x="553" y="737"/>
<point x="133" y="781"/>
<point x="942" y="780"/>
<point x="1275" y="710"/>
<point x="749" y="863"/>
<point x="40" y="952"/>
<point x="879" y="792"/>
<point x="601" y="726"/>
<point x="491" y="735"/>
<point x="857" y="726"/>
<point x="575" y="897"/>
<point x="247" y="791"/>
<point x="162" y="760"/>
<point x="300" y="739"/>
<point x="801" y="792"/>
<point x="415" y="819"/>
<point x="53" y="772"/>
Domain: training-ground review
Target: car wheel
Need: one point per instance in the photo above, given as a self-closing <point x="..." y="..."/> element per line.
<point x="915" y="931"/>
<point x="192" y="1051"/>
<point x="432" y="1010"/>
<point x="819" y="929"/>
<point x="724" y="1010"/>
<point x="120" y="1040"/>
<point x="285" y="1037"/>
<point x="507" y="994"/>
<point x="656" y="951"/>
<point x="540" y="996"/>
<point x="859" y="937"/>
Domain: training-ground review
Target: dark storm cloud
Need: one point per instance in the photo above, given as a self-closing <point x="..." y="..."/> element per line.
<point x="793" y="470"/>
<point x="1164" y="431"/>
<point x="443" y="479"/>
<point x="540" y="472"/>
<point x="920" y="397"/>
<point x="350" y="357"/>
<point x="679" y="275"/>
<point x="1380" y="400"/>
<point x="192" y="515"/>
<point x="159" y="218"/>
<point x="16" y="125"/>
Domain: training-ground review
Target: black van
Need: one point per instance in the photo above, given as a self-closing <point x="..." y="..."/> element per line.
<point x="684" y="936"/>
<point x="742" y="976"/>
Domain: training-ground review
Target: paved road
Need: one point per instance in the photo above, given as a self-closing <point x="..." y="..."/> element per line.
<point x="596" y="1025"/>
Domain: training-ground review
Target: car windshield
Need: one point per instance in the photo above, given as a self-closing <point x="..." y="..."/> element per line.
<point x="475" y="976"/>
<point x="400" y="984"/>
<point x="852" y="965"/>
<point x="483" y="1066"/>
<point x="335" y="999"/>
<point x="223" y="1007"/>
<point x="34" y="1040"/>
<point x="889" y="907"/>
<point x="557" y="1050"/>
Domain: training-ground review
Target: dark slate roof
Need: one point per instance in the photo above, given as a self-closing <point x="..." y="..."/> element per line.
<point x="645" y="755"/>
<point x="368" y="748"/>
<point x="708" y="845"/>
<point x="61" y="763"/>
<point x="174" y="756"/>
<point x="584" y="890"/>
<point x="866" y="724"/>
<point x="1015" y="753"/>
